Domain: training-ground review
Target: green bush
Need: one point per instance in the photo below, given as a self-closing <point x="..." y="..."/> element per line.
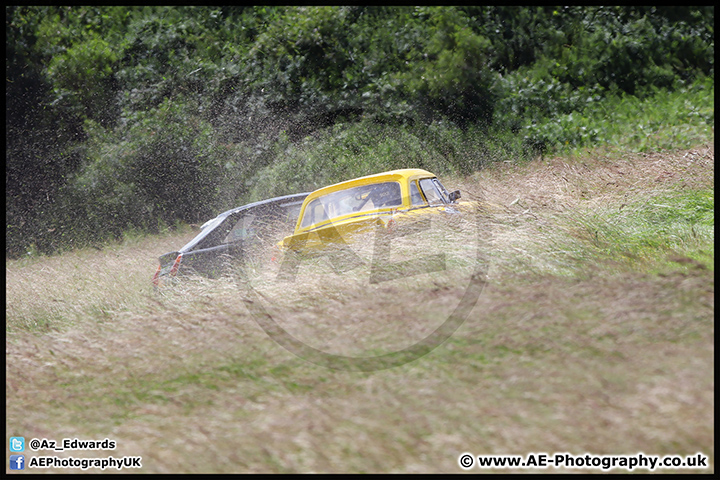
<point x="123" y="114"/>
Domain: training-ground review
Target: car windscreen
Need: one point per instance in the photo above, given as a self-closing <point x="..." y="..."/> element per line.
<point x="351" y="200"/>
<point x="443" y="191"/>
<point x="434" y="192"/>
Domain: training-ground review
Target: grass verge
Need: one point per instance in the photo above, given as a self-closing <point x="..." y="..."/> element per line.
<point x="581" y="342"/>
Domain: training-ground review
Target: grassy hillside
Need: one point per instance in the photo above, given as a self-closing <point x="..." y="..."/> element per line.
<point x="593" y="333"/>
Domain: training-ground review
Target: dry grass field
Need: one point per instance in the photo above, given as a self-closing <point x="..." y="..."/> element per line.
<point x="593" y="333"/>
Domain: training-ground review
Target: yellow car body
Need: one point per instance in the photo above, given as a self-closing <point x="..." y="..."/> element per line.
<point x="336" y="212"/>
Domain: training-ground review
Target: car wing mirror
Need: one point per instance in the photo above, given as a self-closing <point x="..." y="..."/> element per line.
<point x="454" y="195"/>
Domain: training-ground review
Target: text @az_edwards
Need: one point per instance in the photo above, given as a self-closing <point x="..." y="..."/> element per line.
<point x="71" y="444"/>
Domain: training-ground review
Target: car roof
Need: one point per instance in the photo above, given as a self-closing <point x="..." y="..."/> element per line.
<point x="297" y="197"/>
<point x="392" y="175"/>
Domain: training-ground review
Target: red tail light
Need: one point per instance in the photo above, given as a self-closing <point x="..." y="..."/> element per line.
<point x="156" y="277"/>
<point x="173" y="270"/>
<point x="176" y="265"/>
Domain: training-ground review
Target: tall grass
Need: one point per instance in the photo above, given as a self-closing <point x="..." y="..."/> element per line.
<point x="54" y="292"/>
<point x="564" y="351"/>
<point x="633" y="216"/>
<point x="655" y="234"/>
<point x="659" y="228"/>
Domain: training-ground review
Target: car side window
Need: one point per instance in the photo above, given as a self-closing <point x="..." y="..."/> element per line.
<point x="357" y="199"/>
<point x="241" y="230"/>
<point x="434" y="197"/>
<point x="387" y="195"/>
<point x="416" y="200"/>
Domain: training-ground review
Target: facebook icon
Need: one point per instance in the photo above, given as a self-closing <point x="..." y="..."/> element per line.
<point x="17" y="462"/>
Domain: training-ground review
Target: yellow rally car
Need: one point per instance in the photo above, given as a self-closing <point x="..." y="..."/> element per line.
<point x="336" y="212"/>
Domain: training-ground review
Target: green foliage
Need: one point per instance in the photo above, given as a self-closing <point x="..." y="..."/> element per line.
<point x="451" y="69"/>
<point x="127" y="114"/>
<point x="89" y="64"/>
<point x="664" y="121"/>
<point x="663" y="226"/>
<point x="163" y="161"/>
